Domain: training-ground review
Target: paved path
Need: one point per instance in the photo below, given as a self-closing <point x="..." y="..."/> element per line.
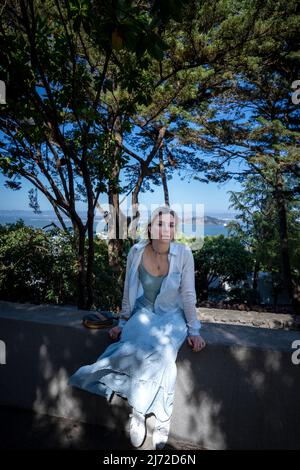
<point x="21" y="429"/>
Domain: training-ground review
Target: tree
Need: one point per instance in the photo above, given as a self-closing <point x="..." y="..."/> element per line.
<point x="86" y="75"/>
<point x="57" y="130"/>
<point x="193" y="69"/>
<point x="257" y="226"/>
<point x="256" y="124"/>
<point x="222" y="258"/>
<point x="268" y="143"/>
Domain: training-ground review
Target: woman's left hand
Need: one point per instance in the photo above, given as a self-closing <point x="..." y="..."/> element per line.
<point x="196" y="342"/>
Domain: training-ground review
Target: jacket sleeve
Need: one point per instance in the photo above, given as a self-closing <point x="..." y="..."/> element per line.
<point x="188" y="293"/>
<point x="125" y="311"/>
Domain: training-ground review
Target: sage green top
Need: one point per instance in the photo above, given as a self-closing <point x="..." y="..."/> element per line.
<point x="151" y="284"/>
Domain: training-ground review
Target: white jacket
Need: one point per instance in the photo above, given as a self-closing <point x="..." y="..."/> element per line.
<point x="177" y="289"/>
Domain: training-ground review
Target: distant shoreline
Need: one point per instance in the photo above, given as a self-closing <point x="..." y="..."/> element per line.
<point x="50" y="216"/>
<point x="210" y="227"/>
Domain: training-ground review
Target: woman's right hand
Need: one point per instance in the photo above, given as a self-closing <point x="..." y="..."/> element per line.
<point x="115" y="332"/>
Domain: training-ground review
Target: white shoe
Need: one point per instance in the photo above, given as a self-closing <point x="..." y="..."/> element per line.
<point x="137" y="428"/>
<point x="161" y="433"/>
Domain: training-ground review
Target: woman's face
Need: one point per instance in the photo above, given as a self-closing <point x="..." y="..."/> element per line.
<point x="163" y="228"/>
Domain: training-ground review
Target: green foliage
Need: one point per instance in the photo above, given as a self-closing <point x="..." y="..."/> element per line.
<point x="257" y="225"/>
<point x="84" y="74"/>
<point x="35" y="266"/>
<point x="40" y="266"/>
<point x="242" y="295"/>
<point x="223" y="258"/>
<point x="108" y="288"/>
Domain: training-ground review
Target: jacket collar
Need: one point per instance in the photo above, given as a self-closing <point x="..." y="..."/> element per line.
<point x="143" y="243"/>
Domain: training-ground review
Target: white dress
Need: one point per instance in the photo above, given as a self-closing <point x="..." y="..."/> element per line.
<point x="141" y="365"/>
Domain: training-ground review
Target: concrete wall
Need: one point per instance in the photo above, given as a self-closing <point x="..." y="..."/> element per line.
<point x="241" y="392"/>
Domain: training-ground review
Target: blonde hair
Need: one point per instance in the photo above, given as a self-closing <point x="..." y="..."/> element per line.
<point x="156" y="213"/>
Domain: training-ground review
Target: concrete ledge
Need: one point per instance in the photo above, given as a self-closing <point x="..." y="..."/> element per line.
<point x="250" y="318"/>
<point x="241" y="392"/>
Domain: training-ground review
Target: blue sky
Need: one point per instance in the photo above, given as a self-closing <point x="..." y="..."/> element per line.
<point x="214" y="196"/>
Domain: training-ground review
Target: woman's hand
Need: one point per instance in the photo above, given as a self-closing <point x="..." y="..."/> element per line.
<point x="114" y="332"/>
<point x="196" y="342"/>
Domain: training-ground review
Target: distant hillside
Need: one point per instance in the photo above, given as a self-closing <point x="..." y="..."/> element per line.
<point x="208" y="220"/>
<point x="213" y="220"/>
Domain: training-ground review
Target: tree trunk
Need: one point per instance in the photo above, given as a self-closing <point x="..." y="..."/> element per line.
<point x="117" y="223"/>
<point x="255" y="275"/>
<point x="81" y="279"/>
<point x="115" y="243"/>
<point x="135" y="206"/>
<point x="201" y="286"/>
<point x="90" y="260"/>
<point x="163" y="177"/>
<point x="284" y="245"/>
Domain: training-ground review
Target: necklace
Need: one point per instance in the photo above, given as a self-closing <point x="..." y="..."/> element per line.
<point x="158" y="253"/>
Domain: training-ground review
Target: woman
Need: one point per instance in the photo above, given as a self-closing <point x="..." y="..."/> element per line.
<point x="158" y="314"/>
